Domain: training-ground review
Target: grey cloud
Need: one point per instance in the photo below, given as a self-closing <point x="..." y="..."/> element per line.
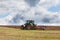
<point x="32" y="3"/>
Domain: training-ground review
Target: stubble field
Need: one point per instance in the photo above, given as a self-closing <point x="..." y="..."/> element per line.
<point x="17" y="34"/>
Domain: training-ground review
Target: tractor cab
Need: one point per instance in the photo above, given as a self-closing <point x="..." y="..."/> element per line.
<point x="29" y="25"/>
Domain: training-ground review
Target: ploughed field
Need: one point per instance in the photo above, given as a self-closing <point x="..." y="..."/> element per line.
<point x="17" y="34"/>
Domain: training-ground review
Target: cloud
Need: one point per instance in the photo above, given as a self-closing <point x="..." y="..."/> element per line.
<point x="21" y="10"/>
<point x="48" y="3"/>
<point x="32" y="3"/>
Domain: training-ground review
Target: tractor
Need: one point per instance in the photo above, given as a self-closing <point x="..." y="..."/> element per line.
<point x="29" y="25"/>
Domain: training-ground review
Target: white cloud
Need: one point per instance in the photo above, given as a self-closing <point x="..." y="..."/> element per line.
<point x="20" y="7"/>
<point x="48" y="3"/>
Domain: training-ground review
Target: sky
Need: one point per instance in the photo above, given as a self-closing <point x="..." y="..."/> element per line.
<point x="16" y="12"/>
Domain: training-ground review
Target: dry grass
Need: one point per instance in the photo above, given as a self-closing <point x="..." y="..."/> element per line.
<point x="17" y="34"/>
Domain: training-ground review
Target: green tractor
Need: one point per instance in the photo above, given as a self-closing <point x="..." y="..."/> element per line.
<point x="29" y="25"/>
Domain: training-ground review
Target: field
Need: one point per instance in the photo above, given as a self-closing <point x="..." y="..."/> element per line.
<point x="17" y="34"/>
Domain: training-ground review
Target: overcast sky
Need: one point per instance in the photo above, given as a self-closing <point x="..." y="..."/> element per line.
<point x="18" y="11"/>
